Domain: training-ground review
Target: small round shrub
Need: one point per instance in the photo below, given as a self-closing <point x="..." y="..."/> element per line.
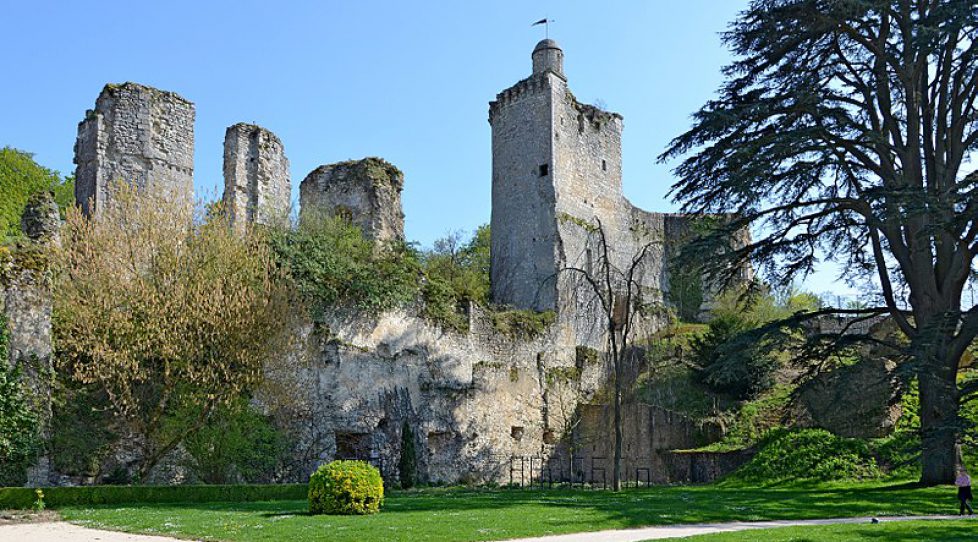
<point x="346" y="488"/>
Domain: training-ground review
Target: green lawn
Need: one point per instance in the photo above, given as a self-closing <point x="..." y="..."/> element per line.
<point x="458" y="514"/>
<point x="909" y="531"/>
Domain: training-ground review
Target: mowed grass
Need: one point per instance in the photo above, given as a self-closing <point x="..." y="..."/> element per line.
<point x="466" y="515"/>
<point x="904" y="531"/>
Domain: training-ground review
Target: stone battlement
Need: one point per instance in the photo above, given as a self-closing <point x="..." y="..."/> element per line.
<point x="533" y="85"/>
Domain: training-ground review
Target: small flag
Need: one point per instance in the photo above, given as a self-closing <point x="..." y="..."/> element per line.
<point x="541" y="21"/>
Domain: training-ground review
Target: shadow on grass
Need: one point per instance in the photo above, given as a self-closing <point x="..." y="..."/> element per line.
<point x="638" y="507"/>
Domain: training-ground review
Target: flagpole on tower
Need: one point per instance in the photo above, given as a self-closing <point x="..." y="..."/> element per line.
<point x="546" y="25"/>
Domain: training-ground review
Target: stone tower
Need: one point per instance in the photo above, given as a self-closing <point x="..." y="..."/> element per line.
<point x="257" y="185"/>
<point x="138" y="134"/>
<point x="556" y="167"/>
<point x="367" y="192"/>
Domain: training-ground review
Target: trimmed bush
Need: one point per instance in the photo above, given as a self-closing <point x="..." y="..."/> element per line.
<point x="346" y="488"/>
<point x="55" y="497"/>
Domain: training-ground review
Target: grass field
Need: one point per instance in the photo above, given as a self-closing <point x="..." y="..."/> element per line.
<point x="465" y="515"/>
<point x="910" y="531"/>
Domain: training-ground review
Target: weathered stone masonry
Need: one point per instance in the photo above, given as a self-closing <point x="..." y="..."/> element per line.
<point x="137" y="134"/>
<point x="367" y="192"/>
<point x="257" y="183"/>
<point x="556" y="172"/>
<point x="26" y="302"/>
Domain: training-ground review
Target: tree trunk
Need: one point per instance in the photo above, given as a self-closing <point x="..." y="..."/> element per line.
<point x="939" y="425"/>
<point x="616" y="468"/>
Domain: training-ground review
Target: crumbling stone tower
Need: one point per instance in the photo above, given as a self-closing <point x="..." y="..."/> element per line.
<point x="257" y="185"/>
<point x="367" y="192"/>
<point x="556" y="168"/>
<point x="139" y="134"/>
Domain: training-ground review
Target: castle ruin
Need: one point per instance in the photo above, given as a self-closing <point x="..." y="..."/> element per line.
<point x="257" y="183"/>
<point x="136" y="134"/>
<point x="366" y="192"/>
<point x="475" y="399"/>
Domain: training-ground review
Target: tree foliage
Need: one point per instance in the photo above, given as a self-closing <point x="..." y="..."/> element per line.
<point x="462" y="265"/>
<point x="456" y="273"/>
<point x="236" y="444"/>
<point x="334" y="266"/>
<point x="20" y="177"/>
<point x="728" y="366"/>
<point x="844" y="128"/>
<point x="407" y="464"/>
<point x="164" y="313"/>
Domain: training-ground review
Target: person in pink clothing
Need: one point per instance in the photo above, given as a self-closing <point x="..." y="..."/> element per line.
<point x="963" y="481"/>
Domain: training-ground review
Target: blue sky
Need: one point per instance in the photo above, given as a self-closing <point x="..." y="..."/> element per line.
<point x="407" y="81"/>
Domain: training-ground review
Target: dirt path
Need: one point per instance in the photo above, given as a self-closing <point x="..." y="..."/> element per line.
<point x="679" y="531"/>
<point x="58" y="531"/>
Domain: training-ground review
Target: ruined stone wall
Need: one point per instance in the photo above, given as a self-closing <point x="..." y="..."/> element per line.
<point x="25" y="286"/>
<point x="649" y="432"/>
<point x="138" y="134"/>
<point x="473" y="400"/>
<point x="257" y="184"/>
<point x="367" y="192"/>
<point x="557" y="173"/>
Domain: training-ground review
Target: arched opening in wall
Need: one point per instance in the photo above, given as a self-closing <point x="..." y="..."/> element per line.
<point x="352" y="446"/>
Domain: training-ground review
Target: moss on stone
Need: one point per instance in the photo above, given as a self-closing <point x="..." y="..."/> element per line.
<point x="562" y="375"/>
<point x="525" y="324"/>
<point x="585" y="355"/>
<point x="23" y="256"/>
<point x="571" y="219"/>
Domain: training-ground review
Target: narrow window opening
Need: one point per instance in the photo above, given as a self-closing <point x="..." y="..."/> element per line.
<point x="544" y="170"/>
<point x="604" y="165"/>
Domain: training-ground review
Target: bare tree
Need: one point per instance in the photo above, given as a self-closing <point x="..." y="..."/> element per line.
<point x="620" y="300"/>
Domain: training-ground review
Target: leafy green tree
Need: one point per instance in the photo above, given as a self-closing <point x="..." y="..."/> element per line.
<point x="236" y="444"/>
<point x="333" y="265"/>
<point x="456" y="273"/>
<point x="164" y="313"/>
<point x="81" y="428"/>
<point x="19" y="427"/>
<point x="729" y="363"/>
<point x="462" y="265"/>
<point x="20" y="177"/>
<point x="844" y="128"/>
